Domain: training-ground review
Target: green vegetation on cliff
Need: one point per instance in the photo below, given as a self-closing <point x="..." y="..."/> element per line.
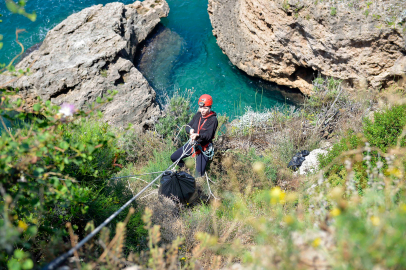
<point x="57" y="169"/>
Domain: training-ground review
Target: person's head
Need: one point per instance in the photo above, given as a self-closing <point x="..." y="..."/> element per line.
<point x="205" y="103"/>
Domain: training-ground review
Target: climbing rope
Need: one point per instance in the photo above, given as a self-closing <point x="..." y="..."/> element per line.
<point x="208" y="184"/>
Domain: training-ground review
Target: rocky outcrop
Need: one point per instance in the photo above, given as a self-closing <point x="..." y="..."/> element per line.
<point x="289" y="42"/>
<point x="90" y="53"/>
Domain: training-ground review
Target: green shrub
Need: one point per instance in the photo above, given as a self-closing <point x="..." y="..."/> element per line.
<point x="36" y="195"/>
<point x="325" y="91"/>
<point x="383" y="133"/>
<point x="177" y="113"/>
<point x="101" y="164"/>
<point x="138" y="147"/>
<point x="368" y="236"/>
<point x="350" y="142"/>
<point x="386" y="127"/>
<point x="336" y="173"/>
<point x="333" y="11"/>
<point x="113" y="195"/>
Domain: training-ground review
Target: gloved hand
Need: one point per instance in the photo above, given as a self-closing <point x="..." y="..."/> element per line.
<point x="194" y="136"/>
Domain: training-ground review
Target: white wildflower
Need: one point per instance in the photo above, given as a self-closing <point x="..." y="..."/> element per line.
<point x="67" y="110"/>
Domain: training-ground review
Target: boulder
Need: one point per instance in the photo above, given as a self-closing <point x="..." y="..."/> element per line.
<point x="289" y="42"/>
<point x="311" y="163"/>
<point x="90" y="53"/>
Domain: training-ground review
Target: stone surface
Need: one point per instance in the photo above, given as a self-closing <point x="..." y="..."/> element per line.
<point x="311" y="162"/>
<point x="90" y="53"/>
<point x="289" y="42"/>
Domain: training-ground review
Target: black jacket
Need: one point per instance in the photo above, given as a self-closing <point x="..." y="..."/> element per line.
<point x="207" y="130"/>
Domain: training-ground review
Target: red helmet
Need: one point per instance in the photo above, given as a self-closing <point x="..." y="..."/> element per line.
<point x="205" y="100"/>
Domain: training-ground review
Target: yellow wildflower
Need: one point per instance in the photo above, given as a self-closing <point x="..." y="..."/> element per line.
<point x="336" y="193"/>
<point x="288" y="219"/>
<point x="258" y="167"/>
<point x="394" y="171"/>
<point x="402" y="207"/>
<point x="277" y="196"/>
<point x="22" y="225"/>
<point x="335" y="212"/>
<point x="316" y="242"/>
<point x="375" y="221"/>
<point x="276" y="192"/>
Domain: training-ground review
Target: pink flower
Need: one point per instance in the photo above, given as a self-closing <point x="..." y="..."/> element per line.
<point x="67" y="110"/>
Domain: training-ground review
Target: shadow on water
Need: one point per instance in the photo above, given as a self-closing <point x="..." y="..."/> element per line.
<point x="157" y="55"/>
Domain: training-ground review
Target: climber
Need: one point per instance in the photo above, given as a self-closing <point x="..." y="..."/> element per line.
<point x="201" y="130"/>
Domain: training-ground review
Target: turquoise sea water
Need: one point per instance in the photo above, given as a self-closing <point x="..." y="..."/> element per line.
<point x="191" y="58"/>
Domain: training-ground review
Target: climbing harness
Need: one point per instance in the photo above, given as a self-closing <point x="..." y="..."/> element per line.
<point x="209" y="150"/>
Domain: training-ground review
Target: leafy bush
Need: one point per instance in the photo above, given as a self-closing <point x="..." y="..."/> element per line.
<point x="34" y="183"/>
<point x="177" y="113"/>
<point x="383" y="132"/>
<point x="138" y="147"/>
<point x="325" y="91"/>
<point x="350" y="142"/>
<point x="386" y="127"/>
<point x="104" y="160"/>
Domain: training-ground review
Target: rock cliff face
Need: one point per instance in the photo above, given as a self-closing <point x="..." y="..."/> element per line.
<point x="90" y="53"/>
<point x="289" y="42"/>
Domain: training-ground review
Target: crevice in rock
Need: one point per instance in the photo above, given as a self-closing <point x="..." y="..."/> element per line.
<point x="63" y="91"/>
<point x="393" y="79"/>
<point x="121" y="79"/>
<point x="122" y="22"/>
<point x="110" y="62"/>
<point x="304" y="73"/>
<point x="269" y="26"/>
<point x="348" y="83"/>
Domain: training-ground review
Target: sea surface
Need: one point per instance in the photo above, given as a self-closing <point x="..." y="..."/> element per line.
<point x="180" y="56"/>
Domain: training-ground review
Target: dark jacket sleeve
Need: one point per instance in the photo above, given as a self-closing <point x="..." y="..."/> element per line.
<point x="191" y="123"/>
<point x="208" y="131"/>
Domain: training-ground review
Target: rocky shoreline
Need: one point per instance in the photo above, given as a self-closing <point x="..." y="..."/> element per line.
<point x="86" y="55"/>
<point x="291" y="42"/>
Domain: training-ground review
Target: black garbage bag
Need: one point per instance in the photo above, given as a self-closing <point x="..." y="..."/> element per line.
<point x="180" y="185"/>
<point x="297" y="160"/>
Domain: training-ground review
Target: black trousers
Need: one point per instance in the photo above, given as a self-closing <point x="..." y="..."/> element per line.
<point x="201" y="160"/>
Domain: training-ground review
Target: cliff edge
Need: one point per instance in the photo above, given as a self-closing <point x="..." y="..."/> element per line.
<point x="290" y="42"/>
<point x="90" y="53"/>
